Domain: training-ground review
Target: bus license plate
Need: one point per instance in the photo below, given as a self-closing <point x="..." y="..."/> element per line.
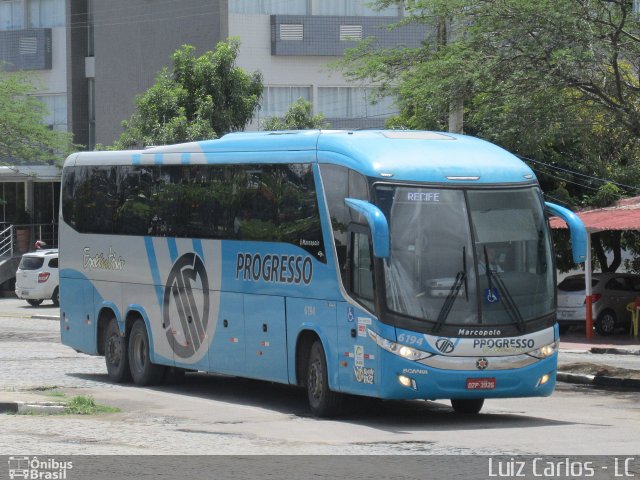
<point x="481" y="383"/>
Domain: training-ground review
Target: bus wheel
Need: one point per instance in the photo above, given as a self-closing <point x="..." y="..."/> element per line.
<point x="142" y="370"/>
<point x="115" y="353"/>
<point x="468" y="405"/>
<point x="322" y="400"/>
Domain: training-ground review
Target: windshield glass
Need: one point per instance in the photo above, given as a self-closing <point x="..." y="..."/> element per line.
<point x="431" y="254"/>
<point x="467" y="258"/>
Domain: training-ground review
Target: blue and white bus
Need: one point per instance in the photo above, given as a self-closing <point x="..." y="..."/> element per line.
<point x="389" y="264"/>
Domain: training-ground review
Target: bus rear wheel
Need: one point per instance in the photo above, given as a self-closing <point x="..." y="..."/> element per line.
<point x="467" y="405"/>
<point x="115" y="353"/>
<point x="323" y="401"/>
<point x="143" y="371"/>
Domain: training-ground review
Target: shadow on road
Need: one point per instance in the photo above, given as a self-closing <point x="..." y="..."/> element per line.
<point x="391" y="416"/>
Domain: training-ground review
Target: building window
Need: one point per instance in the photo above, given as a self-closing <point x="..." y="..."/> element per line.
<point x="11" y="15"/>
<point x="359" y="8"/>
<point x="350" y="33"/>
<point x="46" y="13"/>
<point x="291" y="31"/>
<point x="269" y="7"/>
<point x="276" y="100"/>
<point x="56" y="115"/>
<point x="353" y="102"/>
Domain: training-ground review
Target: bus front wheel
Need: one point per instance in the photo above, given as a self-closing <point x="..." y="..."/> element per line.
<point x="323" y="401"/>
<point x="467" y="405"/>
<point x="142" y="370"/>
<point x="115" y="353"/>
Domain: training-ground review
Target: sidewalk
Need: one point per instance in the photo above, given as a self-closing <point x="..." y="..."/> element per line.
<point x="602" y="361"/>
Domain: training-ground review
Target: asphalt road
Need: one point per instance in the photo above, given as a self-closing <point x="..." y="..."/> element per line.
<point x="224" y="415"/>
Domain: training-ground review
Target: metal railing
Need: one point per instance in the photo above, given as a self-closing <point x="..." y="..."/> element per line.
<point x="17" y="239"/>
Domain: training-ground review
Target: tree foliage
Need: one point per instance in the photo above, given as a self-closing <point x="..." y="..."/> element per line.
<point x="199" y="98"/>
<point x="24" y="138"/>
<point x="555" y="81"/>
<point x="298" y="117"/>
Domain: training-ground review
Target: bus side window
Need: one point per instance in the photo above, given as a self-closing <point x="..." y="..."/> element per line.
<point x="361" y="267"/>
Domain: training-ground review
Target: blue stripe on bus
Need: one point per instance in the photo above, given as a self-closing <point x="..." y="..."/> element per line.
<point x="173" y="249"/>
<point x="197" y="246"/>
<point x="186" y="158"/>
<point x="153" y="265"/>
<point x="157" y="159"/>
<point x="136" y="158"/>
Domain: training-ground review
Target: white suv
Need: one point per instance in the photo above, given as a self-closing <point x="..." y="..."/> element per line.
<point x="37" y="277"/>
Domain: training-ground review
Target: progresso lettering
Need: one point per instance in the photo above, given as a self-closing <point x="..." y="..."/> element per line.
<point x="294" y="269"/>
<point x="504" y="343"/>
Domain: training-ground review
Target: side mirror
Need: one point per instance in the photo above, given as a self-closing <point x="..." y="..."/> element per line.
<point x="377" y="223"/>
<point x="576" y="228"/>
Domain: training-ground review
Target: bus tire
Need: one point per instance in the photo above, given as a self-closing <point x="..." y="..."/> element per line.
<point x="467" y="405"/>
<point x="115" y="353"/>
<point x="143" y="371"/>
<point x="322" y="401"/>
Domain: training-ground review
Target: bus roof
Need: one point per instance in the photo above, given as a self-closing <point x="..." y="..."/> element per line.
<point x="403" y="155"/>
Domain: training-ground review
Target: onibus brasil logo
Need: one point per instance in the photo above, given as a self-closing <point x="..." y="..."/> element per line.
<point x="186" y="305"/>
<point x="33" y="468"/>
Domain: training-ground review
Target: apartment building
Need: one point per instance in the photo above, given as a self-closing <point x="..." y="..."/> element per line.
<point x="33" y="38"/>
<point x="117" y="47"/>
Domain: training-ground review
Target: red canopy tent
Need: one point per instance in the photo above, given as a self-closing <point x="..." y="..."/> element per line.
<point x="624" y="215"/>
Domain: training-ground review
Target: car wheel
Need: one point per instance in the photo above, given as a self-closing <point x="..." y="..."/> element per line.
<point x="115" y="353"/>
<point x="606" y="323"/>
<point x="55" y="298"/>
<point x="34" y="303"/>
<point x="143" y="371"/>
<point x="323" y="401"/>
<point x="467" y="405"/>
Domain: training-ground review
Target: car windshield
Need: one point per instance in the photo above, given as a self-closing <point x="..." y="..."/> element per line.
<point x="467" y="257"/>
<point x="31" y="263"/>
<point x="575" y="284"/>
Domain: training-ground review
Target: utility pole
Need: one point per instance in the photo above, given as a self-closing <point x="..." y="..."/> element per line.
<point x="456" y="106"/>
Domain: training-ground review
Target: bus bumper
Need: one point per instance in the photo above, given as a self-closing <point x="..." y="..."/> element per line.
<point x="411" y="380"/>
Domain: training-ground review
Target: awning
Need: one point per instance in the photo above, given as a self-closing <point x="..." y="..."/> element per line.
<point x="624" y="215"/>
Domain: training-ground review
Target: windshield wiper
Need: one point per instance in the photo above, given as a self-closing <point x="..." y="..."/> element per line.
<point x="512" y="308"/>
<point x="461" y="278"/>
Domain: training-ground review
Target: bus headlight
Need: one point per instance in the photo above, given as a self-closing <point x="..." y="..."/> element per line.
<point x="403" y="351"/>
<point x="546" y="351"/>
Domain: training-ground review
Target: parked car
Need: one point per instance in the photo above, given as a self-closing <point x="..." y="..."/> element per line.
<point x="612" y="292"/>
<point x="37" y="277"/>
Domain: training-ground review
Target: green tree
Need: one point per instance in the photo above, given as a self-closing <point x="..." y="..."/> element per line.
<point x="298" y="117"/>
<point x="200" y="98"/>
<point x="551" y="79"/>
<point x="24" y="138"/>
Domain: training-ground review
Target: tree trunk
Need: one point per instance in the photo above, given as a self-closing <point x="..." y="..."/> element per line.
<point x="598" y="246"/>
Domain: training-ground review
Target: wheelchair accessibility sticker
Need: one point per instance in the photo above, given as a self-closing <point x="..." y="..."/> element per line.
<point x="491" y="295"/>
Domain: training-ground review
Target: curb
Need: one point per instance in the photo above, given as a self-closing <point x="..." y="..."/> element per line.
<point x="616" y="351"/>
<point x="45" y="317"/>
<point x="44" y="408"/>
<point x="598" y="380"/>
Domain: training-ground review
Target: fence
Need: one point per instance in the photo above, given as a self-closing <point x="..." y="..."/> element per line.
<point x="17" y="239"/>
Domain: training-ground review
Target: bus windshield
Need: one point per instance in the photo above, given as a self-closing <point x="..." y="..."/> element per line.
<point x="467" y="257"/>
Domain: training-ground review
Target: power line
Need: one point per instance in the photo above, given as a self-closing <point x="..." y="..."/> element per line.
<point x="603" y="180"/>
<point x="583" y="185"/>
